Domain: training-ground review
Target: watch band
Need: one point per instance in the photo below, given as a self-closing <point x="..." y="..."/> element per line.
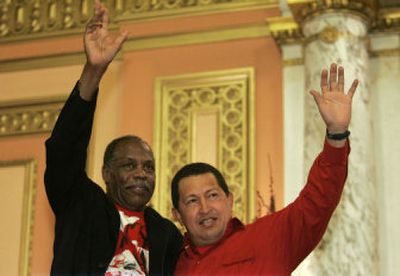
<point x="337" y="136"/>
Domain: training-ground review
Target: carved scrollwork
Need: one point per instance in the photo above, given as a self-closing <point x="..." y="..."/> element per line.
<point x="28" y="118"/>
<point x="232" y="100"/>
<point x="22" y="19"/>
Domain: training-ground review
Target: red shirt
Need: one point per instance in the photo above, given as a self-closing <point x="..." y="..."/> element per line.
<point x="131" y="255"/>
<point x="277" y="243"/>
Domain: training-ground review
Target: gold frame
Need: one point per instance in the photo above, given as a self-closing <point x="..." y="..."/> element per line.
<point x="29" y="116"/>
<point x="245" y="197"/>
<point x="28" y="208"/>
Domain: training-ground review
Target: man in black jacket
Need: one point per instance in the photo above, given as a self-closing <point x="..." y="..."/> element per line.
<point x="99" y="233"/>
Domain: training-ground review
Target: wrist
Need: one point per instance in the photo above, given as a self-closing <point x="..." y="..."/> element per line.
<point x="90" y="80"/>
<point x="337" y="135"/>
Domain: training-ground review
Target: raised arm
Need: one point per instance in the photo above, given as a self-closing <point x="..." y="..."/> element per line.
<point x="334" y="105"/>
<point x="66" y="149"/>
<point x="298" y="228"/>
<point x="100" y="49"/>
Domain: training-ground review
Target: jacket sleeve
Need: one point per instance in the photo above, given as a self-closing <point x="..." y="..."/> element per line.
<point x="66" y="151"/>
<point x="174" y="247"/>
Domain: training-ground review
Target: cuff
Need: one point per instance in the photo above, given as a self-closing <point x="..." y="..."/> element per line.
<point x="335" y="156"/>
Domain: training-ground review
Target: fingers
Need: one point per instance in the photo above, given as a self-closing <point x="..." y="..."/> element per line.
<point x="121" y="38"/>
<point x="353" y="88"/>
<point x="333" y="77"/>
<point x="341" y="79"/>
<point x="105" y="17"/>
<point x="324" y="81"/>
<point x="96" y="21"/>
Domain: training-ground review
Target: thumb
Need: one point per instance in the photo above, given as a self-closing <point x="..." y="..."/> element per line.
<point x="317" y="97"/>
<point x="121" y="38"/>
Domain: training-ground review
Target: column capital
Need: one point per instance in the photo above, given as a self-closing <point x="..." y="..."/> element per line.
<point x="305" y="9"/>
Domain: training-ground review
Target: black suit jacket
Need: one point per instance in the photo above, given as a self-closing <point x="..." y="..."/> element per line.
<point x="87" y="221"/>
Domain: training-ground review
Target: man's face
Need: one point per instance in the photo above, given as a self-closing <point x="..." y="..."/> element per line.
<point x="130" y="175"/>
<point x="203" y="208"/>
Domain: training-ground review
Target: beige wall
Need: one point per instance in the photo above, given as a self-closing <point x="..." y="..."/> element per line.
<point x="128" y="90"/>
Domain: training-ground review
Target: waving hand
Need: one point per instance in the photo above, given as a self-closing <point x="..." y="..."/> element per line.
<point x="333" y="103"/>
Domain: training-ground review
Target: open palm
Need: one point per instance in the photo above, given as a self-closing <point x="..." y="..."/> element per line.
<point x="100" y="47"/>
<point x="334" y="105"/>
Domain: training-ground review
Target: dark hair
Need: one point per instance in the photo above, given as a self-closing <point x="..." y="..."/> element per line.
<point x="110" y="149"/>
<point x="195" y="169"/>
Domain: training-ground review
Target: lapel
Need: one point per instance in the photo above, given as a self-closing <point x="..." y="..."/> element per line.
<point x="157" y="234"/>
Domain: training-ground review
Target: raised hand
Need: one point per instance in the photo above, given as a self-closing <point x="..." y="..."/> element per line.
<point x="334" y="105"/>
<point x="100" y="47"/>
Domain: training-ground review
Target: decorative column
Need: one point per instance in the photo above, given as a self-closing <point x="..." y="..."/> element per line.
<point x="338" y="33"/>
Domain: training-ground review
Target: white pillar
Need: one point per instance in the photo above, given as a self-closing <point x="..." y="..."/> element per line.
<point x="385" y="84"/>
<point x="349" y="246"/>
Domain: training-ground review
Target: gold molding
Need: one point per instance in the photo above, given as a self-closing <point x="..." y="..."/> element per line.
<point x="287" y="30"/>
<point x="29" y="117"/>
<point x="21" y="20"/>
<point x="388" y="21"/>
<point x="293" y="62"/>
<point x="303" y="9"/>
<point x="27" y="218"/>
<point x="284" y="30"/>
<point x="205" y="36"/>
<point x="330" y="34"/>
<point x="142" y="43"/>
<point x="42" y="62"/>
<point x="384" y="53"/>
<point x="231" y="92"/>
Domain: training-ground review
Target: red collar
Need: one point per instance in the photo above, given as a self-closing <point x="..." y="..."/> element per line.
<point x="191" y="250"/>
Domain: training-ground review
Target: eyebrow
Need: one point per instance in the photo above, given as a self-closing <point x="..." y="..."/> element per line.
<point x="206" y="192"/>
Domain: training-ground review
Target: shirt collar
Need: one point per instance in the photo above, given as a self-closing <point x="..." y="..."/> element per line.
<point x="191" y="250"/>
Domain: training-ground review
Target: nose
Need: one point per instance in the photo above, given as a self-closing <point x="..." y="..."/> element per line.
<point x="204" y="206"/>
<point x="140" y="172"/>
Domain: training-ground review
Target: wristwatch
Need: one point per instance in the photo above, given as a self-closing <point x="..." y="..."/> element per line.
<point x="337" y="136"/>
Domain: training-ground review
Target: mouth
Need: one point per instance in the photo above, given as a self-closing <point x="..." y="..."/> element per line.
<point x="208" y="222"/>
<point x="137" y="187"/>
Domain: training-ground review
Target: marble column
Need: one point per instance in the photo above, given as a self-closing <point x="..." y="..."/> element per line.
<point x="349" y="246"/>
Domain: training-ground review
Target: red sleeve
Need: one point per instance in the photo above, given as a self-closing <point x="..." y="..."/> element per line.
<point x="295" y="231"/>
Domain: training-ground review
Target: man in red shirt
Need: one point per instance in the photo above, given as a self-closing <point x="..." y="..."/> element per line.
<point x="217" y="244"/>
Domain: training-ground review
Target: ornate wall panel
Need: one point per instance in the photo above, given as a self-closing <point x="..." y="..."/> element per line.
<point x="38" y="18"/>
<point x="179" y="100"/>
<point x="19" y="206"/>
<point x="29" y="117"/>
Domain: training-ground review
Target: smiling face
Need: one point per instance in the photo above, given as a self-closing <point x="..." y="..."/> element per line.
<point x="203" y="208"/>
<point x="130" y="175"/>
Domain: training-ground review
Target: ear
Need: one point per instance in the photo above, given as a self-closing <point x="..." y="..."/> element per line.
<point x="230" y="200"/>
<point x="177" y="215"/>
<point x="106" y="173"/>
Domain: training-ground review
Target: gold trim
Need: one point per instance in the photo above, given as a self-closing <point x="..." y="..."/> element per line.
<point x="388" y="21"/>
<point x="40" y="19"/>
<point x="284" y="30"/>
<point x="141" y="43"/>
<point x="384" y="53"/>
<point x="207" y="9"/>
<point x="27" y="218"/>
<point x="205" y="36"/>
<point x="41" y="62"/>
<point x="175" y="96"/>
<point x="330" y="34"/>
<point x="293" y="62"/>
<point x="29" y="117"/>
<point x="304" y="9"/>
